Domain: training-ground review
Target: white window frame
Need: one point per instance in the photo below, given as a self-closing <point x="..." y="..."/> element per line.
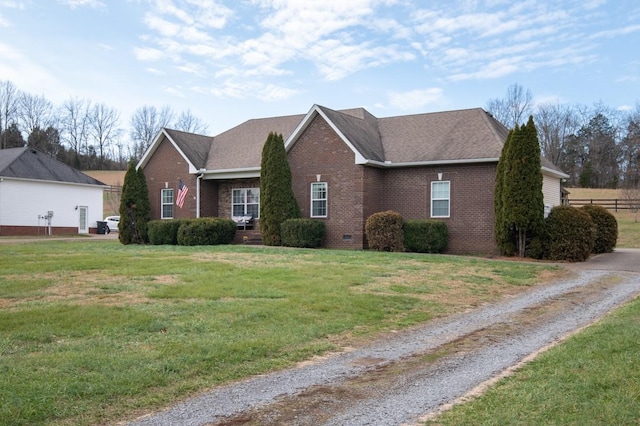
<point x="440" y="199"/>
<point x="166" y="202"/>
<point x="319" y="200"/>
<point x="245" y="203"/>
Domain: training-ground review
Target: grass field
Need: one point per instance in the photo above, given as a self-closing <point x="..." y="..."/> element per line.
<point x="93" y="332"/>
<point x="628" y="226"/>
<point x="592" y="379"/>
<point x="96" y="332"/>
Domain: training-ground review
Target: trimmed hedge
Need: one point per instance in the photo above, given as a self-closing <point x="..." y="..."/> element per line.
<point x="570" y="234"/>
<point x="425" y="236"/>
<point x="606" y="228"/>
<point x="384" y="231"/>
<point x="307" y="233"/>
<point x="206" y="231"/>
<point x="164" y="231"/>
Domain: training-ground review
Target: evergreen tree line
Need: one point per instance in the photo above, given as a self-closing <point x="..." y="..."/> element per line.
<point x="83" y="134"/>
<point x="597" y="146"/>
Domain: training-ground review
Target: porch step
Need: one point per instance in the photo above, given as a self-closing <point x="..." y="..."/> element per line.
<point x="248" y="237"/>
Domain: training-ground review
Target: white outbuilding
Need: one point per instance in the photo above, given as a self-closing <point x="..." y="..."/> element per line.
<point x="40" y="195"/>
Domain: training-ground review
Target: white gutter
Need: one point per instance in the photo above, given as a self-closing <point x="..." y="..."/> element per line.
<point x="389" y="164"/>
<point x="555" y="173"/>
<point x="243" y="173"/>
<point x="92" y="185"/>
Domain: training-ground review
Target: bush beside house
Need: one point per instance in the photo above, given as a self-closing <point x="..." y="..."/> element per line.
<point x="425" y="236"/>
<point x="206" y="231"/>
<point x="308" y="233"/>
<point x="384" y="231"/>
<point x="606" y="228"/>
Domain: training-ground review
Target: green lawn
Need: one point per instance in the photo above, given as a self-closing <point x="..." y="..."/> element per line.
<point x="592" y="379"/>
<point x="95" y="332"/>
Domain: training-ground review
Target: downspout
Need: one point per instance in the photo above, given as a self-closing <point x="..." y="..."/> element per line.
<point x="198" y="179"/>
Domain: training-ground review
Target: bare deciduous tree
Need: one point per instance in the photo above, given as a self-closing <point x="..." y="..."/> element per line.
<point x="9" y="98"/>
<point x="146" y="123"/>
<point x="187" y="122"/>
<point x="74" y="123"/>
<point x="555" y="124"/>
<point x="514" y="108"/>
<point x="103" y="129"/>
<point x="36" y="112"/>
<point x="631" y="194"/>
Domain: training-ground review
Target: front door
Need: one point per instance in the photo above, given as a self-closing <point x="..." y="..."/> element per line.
<point x="83" y="226"/>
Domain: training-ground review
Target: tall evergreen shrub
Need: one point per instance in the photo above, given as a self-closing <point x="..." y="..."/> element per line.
<point x="504" y="234"/>
<point x="277" y="202"/>
<point x="522" y="198"/>
<point x="134" y="208"/>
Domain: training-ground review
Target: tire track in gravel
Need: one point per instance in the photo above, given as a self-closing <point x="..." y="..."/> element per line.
<point x="407" y="375"/>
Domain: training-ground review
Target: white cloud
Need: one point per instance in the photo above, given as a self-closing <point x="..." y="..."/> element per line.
<point x="335" y="60"/>
<point x="625" y="108"/>
<point x="155" y="71"/>
<point x="82" y="3"/>
<point x="616" y="32"/>
<point x="495" y="69"/>
<point x="416" y="99"/>
<point x="272" y="92"/>
<point x="24" y="73"/>
<point x="7" y="4"/>
<point x="147" y="54"/>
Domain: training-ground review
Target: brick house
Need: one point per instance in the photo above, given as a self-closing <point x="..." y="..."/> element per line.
<point x="346" y="165"/>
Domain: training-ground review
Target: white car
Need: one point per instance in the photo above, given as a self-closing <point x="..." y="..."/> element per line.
<point x="112" y="223"/>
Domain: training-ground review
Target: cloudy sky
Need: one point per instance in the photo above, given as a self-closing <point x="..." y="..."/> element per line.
<point x="231" y="60"/>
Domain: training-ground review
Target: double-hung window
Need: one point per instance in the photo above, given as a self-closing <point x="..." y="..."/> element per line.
<point x="319" y="199"/>
<point x="246" y="202"/>
<point x="166" y="200"/>
<point x="440" y="199"/>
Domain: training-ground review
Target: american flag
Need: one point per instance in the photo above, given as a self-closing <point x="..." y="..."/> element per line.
<point x="182" y="193"/>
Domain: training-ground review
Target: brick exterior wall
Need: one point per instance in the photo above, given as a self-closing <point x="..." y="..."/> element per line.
<point x="354" y="191"/>
<point x="471" y="221"/>
<point x="320" y="152"/>
<point x="19" y="231"/>
<point x="163" y="170"/>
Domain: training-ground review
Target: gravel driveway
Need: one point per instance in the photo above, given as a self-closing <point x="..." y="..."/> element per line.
<point x="408" y="375"/>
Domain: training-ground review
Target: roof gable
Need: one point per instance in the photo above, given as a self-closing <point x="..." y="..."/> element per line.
<point x="357" y="128"/>
<point x="192" y="147"/>
<point x="452" y="136"/>
<point x="240" y="148"/>
<point x="29" y="163"/>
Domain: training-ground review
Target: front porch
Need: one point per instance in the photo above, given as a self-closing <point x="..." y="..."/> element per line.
<point x="248" y="236"/>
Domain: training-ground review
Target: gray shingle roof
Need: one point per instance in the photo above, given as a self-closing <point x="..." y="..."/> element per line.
<point x="470" y="134"/>
<point x="241" y="146"/>
<point x="29" y="163"/>
<point x="195" y="147"/>
<point x="450" y="136"/>
<point x="361" y="129"/>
